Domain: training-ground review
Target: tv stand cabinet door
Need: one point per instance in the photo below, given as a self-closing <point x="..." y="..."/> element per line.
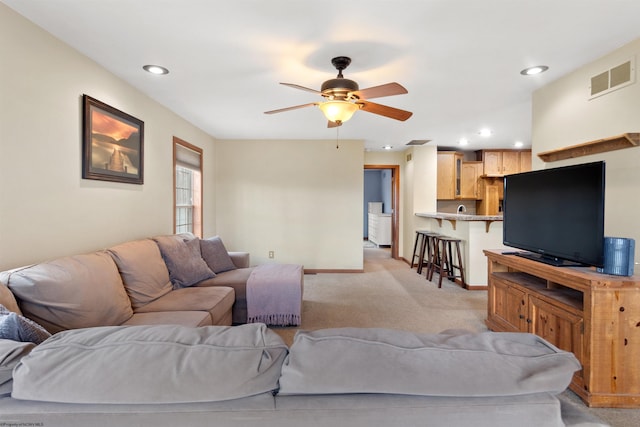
<point x="559" y="326"/>
<point x="507" y="307"/>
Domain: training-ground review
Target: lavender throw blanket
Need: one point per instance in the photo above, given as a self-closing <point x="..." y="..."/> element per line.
<point x="274" y="294"/>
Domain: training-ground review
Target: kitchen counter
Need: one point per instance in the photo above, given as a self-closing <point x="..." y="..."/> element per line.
<point x="461" y="217"/>
<point x="477" y="232"/>
<point x="453" y="217"/>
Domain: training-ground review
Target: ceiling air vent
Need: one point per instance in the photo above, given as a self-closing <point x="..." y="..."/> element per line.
<point x="418" y="141"/>
<point x="613" y="79"/>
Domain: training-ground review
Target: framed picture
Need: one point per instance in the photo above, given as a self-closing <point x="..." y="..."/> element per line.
<point x="113" y="144"/>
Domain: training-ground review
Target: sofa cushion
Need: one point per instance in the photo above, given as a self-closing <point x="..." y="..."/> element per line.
<point x="10" y="354"/>
<point x="152" y="364"/>
<point x="216" y="255"/>
<point x="191" y="318"/>
<point x="18" y="328"/>
<point x="215" y="300"/>
<point x="72" y="292"/>
<point x="236" y="279"/>
<point x="183" y="259"/>
<point x="144" y="273"/>
<point x="353" y="360"/>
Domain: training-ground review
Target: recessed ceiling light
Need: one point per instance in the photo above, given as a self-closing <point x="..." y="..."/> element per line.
<point x="463" y="141"/>
<point x="155" y="69"/>
<point x="387" y="147"/>
<point x="518" y="144"/>
<point x="485" y="132"/>
<point x="534" y="70"/>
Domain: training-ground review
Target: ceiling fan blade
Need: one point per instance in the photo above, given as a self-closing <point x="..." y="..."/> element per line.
<point x="291" y="108"/>
<point x="380" y="91"/>
<point x="384" y="110"/>
<point x="302" y="88"/>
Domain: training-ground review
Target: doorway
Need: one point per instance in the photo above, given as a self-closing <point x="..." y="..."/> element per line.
<point x="393" y="201"/>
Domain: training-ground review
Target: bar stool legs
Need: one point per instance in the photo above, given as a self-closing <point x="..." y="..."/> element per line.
<point x="445" y="263"/>
<point x="435" y="258"/>
<point x="428" y="246"/>
<point x="436" y="253"/>
<point x="418" y="249"/>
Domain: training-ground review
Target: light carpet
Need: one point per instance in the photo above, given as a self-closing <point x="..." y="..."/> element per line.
<point x="388" y="294"/>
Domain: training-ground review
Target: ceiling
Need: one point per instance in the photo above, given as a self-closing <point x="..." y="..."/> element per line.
<point x="460" y="60"/>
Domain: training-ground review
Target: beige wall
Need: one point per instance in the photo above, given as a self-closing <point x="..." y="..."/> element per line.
<point x="46" y="209"/>
<point x="563" y="115"/>
<point x="419" y="185"/>
<point x="300" y="199"/>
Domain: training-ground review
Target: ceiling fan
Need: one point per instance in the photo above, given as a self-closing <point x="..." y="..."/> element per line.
<point x="343" y="97"/>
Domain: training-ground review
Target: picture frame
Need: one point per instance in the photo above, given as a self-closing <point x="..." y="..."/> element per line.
<point x="113" y="144"/>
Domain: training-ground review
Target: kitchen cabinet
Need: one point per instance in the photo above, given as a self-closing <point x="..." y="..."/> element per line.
<point x="469" y="179"/>
<point x="489" y="195"/>
<point x="592" y="315"/>
<point x="449" y="175"/>
<point x="525" y="161"/>
<point x="499" y="163"/>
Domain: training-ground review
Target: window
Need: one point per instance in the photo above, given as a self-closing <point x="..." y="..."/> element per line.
<point x="187" y="183"/>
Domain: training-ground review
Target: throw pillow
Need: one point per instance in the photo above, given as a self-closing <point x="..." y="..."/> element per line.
<point x="216" y="255"/>
<point x="19" y="328"/>
<point x="184" y="261"/>
<point x="144" y="272"/>
<point x="361" y="360"/>
<point x="152" y="364"/>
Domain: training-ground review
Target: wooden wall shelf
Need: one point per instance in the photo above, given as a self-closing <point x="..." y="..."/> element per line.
<point x="618" y="142"/>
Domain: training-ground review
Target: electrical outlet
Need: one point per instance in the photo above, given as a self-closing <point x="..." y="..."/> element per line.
<point x="271" y="254"/>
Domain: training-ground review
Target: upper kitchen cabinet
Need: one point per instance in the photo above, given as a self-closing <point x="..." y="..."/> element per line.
<point x="469" y="176"/>
<point x="449" y="175"/>
<point x="499" y="163"/>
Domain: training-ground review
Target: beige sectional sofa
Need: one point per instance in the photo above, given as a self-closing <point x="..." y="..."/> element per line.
<point x="141" y="337"/>
<point x="135" y="283"/>
<point x="167" y="375"/>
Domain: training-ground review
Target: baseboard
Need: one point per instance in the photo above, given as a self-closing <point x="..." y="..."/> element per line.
<point x="320" y="271"/>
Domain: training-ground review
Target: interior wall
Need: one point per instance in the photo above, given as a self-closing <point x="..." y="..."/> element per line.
<point x="421" y="184"/>
<point x="563" y="115"/>
<point x="300" y="199"/>
<point x="46" y="209"/>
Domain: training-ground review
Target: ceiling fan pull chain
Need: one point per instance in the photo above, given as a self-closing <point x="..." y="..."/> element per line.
<point x="337" y="137"/>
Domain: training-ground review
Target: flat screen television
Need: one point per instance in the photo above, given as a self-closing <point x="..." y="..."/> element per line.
<point x="557" y="214"/>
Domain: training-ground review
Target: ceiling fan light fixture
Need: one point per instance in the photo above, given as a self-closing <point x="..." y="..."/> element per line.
<point x="338" y="111"/>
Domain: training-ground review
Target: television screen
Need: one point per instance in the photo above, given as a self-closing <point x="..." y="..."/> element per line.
<point x="557" y="214"/>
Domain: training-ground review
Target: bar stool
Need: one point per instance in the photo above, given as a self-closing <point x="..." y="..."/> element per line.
<point x="428" y="247"/>
<point x="445" y="264"/>
<point x="418" y="247"/>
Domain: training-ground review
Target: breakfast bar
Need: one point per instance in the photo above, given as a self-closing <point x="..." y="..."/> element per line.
<point x="477" y="232"/>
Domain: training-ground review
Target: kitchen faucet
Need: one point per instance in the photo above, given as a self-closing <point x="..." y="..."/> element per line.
<point x="461" y="209"/>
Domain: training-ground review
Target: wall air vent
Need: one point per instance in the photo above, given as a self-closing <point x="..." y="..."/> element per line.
<point x="613" y="79"/>
<point x="409" y="157"/>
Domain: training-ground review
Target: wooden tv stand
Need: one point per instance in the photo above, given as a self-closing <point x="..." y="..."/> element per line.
<point x="595" y="316"/>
